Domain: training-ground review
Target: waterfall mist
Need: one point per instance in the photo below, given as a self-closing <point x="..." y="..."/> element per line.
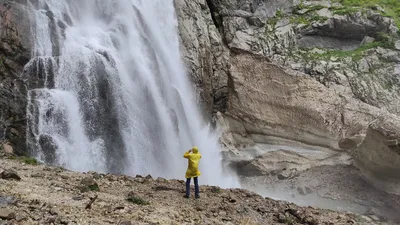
<point x="113" y="95"/>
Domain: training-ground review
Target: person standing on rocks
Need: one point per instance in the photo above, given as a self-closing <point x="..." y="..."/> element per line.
<point x="193" y="157"/>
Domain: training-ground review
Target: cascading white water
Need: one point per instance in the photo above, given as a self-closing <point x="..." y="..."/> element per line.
<point x="112" y="94"/>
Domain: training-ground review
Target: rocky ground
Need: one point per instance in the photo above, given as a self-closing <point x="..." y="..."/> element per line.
<point x="39" y="194"/>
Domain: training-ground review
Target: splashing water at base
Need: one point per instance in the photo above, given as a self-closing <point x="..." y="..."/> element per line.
<point x="112" y="94"/>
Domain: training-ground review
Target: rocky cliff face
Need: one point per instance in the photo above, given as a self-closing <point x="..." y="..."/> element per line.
<point x="350" y="50"/>
<point x="204" y="53"/>
<point x="14" y="54"/>
<point x="314" y="72"/>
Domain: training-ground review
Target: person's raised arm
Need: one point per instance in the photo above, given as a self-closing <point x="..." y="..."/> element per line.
<point x="187" y="154"/>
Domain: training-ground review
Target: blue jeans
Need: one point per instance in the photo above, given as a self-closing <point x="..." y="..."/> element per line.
<point x="196" y="187"/>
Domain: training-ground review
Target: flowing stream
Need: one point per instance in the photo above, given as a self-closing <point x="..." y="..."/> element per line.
<point x="112" y="93"/>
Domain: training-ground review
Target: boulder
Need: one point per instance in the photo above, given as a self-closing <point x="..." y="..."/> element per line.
<point x="287" y="174"/>
<point x="7" y="200"/>
<point x="88" y="184"/>
<point x="136" y="198"/>
<point x="8" y="149"/>
<point x="10" y="174"/>
<point x="49" y="148"/>
<point x="351" y="143"/>
<point x="7" y="214"/>
<point x="397" y="45"/>
<point x="378" y="155"/>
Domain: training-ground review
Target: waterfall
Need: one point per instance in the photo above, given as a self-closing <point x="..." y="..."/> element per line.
<point x="112" y="94"/>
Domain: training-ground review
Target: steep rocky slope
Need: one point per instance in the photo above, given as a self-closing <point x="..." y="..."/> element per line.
<point x="37" y="194"/>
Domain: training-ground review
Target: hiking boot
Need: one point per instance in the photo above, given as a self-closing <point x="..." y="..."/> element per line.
<point x="197" y="197"/>
<point x="185" y="196"/>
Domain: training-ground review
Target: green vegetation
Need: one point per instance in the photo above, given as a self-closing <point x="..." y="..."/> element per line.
<point x="29" y="161"/>
<point x="315" y="7"/>
<point x="274" y="20"/>
<point x="389" y="85"/>
<point x="25" y="159"/>
<point x="302" y="6"/>
<point x="307" y="19"/>
<point x="391" y="7"/>
<point x="356" y="54"/>
<point x="308" y="16"/>
<point x="137" y="200"/>
<point x="88" y="188"/>
<point x="216" y="190"/>
<point x="94" y="187"/>
<point x="344" y="10"/>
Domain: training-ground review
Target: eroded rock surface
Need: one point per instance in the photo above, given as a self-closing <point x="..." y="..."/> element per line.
<point x="304" y="72"/>
<point x="204" y="53"/>
<point x="14" y="54"/>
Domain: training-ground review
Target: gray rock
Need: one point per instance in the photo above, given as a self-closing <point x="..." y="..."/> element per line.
<point x="301" y="191"/>
<point x="8" y="149"/>
<point x="20" y="218"/>
<point x="10" y="174"/>
<point x="374" y="218"/>
<point x="367" y="218"/>
<point x="367" y="40"/>
<point x="87" y="181"/>
<point x="7" y="214"/>
<point x="7" y="200"/>
<point x="351" y="142"/>
<point x="78" y="198"/>
<point x="15" y="50"/>
<point x="205" y="55"/>
<point x="125" y="223"/>
<point x="49" y="148"/>
<point x="88" y="184"/>
<point x="397" y="45"/>
<point x="325" y="12"/>
<point x="328" y="43"/>
<point x="287" y="174"/>
<point x="38" y="175"/>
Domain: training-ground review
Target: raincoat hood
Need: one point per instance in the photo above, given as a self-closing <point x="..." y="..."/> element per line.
<point x="195" y="150"/>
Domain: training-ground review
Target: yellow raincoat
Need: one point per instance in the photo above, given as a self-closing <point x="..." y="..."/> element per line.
<point x="193" y="159"/>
